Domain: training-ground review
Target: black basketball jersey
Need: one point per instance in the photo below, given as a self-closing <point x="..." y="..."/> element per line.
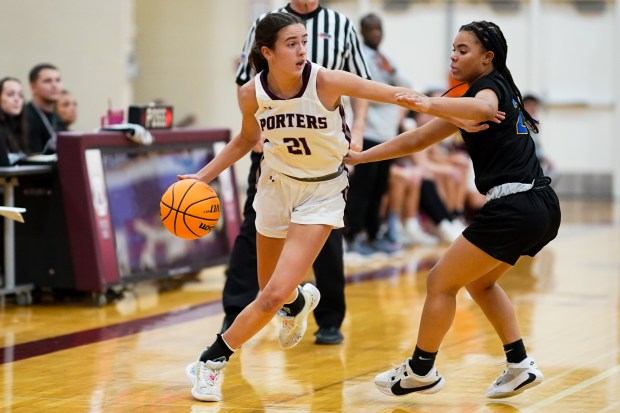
<point x="504" y="152"/>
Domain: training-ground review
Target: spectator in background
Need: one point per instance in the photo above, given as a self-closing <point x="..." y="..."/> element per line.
<point x="67" y="109"/>
<point x="403" y="205"/>
<point x="410" y="193"/>
<point x="449" y="155"/>
<point x="447" y="166"/>
<point x="369" y="181"/>
<point x="432" y="201"/>
<point x="41" y="117"/>
<point x="13" y="136"/>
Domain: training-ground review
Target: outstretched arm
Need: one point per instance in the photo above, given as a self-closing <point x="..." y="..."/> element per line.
<point x="481" y="108"/>
<point x="332" y="84"/>
<point x="405" y="143"/>
<point x="241" y="144"/>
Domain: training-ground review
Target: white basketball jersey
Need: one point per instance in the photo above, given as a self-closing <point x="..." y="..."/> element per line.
<point x="303" y="138"/>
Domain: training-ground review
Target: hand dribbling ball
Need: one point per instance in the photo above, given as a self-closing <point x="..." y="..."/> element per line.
<point x="189" y="209"/>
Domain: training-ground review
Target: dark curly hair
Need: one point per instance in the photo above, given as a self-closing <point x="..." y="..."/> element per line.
<point x="492" y="39"/>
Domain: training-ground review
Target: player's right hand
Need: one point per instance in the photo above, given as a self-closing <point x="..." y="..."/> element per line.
<point x="188" y="176"/>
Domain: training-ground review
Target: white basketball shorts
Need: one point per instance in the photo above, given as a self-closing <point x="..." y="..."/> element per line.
<point x="281" y="200"/>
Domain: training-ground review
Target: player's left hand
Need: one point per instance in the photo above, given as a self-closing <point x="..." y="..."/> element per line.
<point x="352" y="158"/>
<point x="499" y="117"/>
<point x="413" y="100"/>
<point x="473" y="126"/>
<point x="470" y="126"/>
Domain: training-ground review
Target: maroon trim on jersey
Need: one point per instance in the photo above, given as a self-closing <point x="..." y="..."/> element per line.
<point x="259" y="170"/>
<point x="345" y="127"/>
<point x="305" y="77"/>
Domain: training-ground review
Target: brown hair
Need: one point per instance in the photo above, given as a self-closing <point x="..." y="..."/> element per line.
<point x="266" y="35"/>
<point x="13" y="128"/>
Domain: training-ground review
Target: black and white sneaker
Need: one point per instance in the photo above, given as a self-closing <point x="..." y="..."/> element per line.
<point x="402" y="380"/>
<point x="517" y="378"/>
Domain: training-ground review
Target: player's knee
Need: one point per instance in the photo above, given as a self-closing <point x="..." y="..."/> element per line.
<point x="436" y="284"/>
<point x="478" y="290"/>
<point x="272" y="300"/>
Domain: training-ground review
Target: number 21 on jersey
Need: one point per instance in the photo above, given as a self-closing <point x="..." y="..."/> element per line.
<point x="297" y="146"/>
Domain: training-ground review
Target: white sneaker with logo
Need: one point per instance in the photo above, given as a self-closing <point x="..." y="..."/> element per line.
<point x="517" y="378"/>
<point x="402" y="380"/>
<point x="293" y="328"/>
<point x="207" y="379"/>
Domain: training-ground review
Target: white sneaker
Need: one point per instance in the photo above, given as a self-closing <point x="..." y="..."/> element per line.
<point x="207" y="379"/>
<point x="404" y="238"/>
<point x="294" y="328"/>
<point x="417" y="235"/>
<point x="517" y="378"/>
<point x="449" y="231"/>
<point x="402" y="380"/>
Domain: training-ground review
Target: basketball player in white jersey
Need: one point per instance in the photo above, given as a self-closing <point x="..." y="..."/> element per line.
<point x="297" y="106"/>
<point x="333" y="43"/>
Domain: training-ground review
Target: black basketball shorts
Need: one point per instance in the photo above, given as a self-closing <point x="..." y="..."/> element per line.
<point x="517" y="224"/>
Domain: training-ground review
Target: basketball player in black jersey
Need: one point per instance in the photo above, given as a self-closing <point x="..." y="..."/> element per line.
<point x="521" y="216"/>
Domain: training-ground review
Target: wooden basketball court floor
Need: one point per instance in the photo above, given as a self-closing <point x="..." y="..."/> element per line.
<point x="130" y="355"/>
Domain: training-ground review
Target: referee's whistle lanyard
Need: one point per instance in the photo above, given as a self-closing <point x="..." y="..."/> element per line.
<point x="51" y="143"/>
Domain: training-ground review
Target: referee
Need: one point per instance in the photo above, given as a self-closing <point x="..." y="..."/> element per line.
<point x="332" y="43"/>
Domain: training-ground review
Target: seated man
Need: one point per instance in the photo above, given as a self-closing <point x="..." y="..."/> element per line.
<point x="41" y="117"/>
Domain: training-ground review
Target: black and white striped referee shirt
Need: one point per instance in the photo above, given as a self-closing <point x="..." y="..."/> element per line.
<point x="332" y="43"/>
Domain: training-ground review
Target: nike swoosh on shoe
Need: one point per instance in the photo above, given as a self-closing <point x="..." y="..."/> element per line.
<point x="531" y="378"/>
<point x="398" y="390"/>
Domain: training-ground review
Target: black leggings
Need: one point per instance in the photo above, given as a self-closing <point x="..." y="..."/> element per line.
<point x="430" y="202"/>
<point x="368" y="183"/>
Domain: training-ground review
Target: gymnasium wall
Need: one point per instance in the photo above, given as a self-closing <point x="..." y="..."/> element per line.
<point x="89" y="41"/>
<point x="564" y="54"/>
<point x="184" y="52"/>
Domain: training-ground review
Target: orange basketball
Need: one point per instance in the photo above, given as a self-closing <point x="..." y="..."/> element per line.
<point x="189" y="209"/>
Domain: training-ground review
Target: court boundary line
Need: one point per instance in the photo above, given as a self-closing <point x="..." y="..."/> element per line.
<point x="35" y="348"/>
<point x="571" y="390"/>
